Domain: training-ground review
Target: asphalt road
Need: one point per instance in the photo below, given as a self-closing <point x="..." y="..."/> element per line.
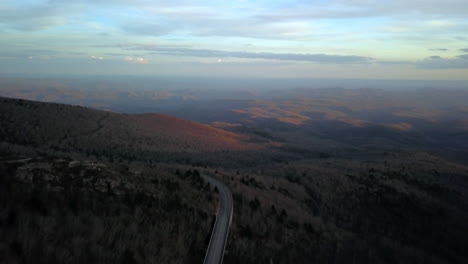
<point x="215" y="251"/>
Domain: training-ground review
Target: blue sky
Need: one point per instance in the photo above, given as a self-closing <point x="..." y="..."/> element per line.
<point x="419" y="39"/>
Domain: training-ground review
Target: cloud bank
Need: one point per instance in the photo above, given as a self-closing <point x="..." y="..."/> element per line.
<point x="438" y="62"/>
<point x="209" y="53"/>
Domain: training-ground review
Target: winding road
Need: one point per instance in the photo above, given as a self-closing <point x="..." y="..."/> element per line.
<point x="215" y="251"/>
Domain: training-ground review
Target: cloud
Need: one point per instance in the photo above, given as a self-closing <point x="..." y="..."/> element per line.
<point x="283" y="32"/>
<point x="215" y="25"/>
<point x="186" y="11"/>
<point x="250" y="28"/>
<point x="30" y="53"/>
<point x="148" y="28"/>
<point x="32" y="17"/>
<point x="209" y="53"/>
<point x="438" y="62"/>
<point x="317" y="58"/>
<point x="395" y="62"/>
<point x="115" y="54"/>
<point x="296" y="21"/>
<point x="137" y="60"/>
<point x="97" y="58"/>
<point x="439" y="49"/>
<point x="434" y="62"/>
<point x="343" y="9"/>
<point x="247" y="19"/>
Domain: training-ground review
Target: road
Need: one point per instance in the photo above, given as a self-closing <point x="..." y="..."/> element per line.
<point x="215" y="251"/>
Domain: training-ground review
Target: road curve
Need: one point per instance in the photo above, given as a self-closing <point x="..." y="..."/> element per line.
<point x="215" y="251"/>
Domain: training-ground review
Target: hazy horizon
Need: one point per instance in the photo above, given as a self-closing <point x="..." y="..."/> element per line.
<point x="231" y="83"/>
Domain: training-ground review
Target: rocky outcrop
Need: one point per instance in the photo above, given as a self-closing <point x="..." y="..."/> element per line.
<point x="61" y="175"/>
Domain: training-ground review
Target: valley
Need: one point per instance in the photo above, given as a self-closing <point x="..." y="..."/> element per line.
<point x="323" y="189"/>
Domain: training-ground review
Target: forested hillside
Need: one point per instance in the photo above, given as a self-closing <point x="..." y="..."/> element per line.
<point x="95" y="132"/>
<point x="127" y="188"/>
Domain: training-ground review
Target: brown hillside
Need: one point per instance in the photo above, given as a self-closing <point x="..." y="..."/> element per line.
<point x="187" y="135"/>
<point x="70" y="128"/>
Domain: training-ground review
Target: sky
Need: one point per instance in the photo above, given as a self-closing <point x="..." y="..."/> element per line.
<point x="337" y="39"/>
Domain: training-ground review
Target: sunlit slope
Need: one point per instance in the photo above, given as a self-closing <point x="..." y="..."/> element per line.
<point x="72" y="128"/>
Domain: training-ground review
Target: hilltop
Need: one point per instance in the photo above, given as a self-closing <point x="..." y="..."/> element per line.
<point x="75" y="128"/>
